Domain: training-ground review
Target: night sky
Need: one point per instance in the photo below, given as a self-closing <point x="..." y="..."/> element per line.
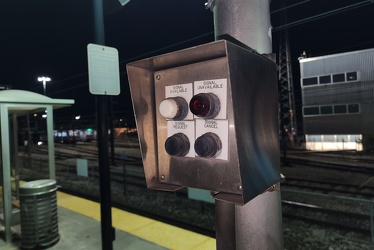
<point x="49" y="37"/>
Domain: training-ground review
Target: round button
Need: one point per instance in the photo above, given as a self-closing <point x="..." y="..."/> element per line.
<point x="177" y="145"/>
<point x="175" y="108"/>
<point x="206" y="105"/>
<point x="208" y="145"/>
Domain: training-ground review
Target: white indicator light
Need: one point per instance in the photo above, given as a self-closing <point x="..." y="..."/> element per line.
<point x="168" y="108"/>
<point x="175" y="108"/>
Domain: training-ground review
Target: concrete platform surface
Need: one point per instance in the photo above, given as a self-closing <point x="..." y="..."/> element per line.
<point x="80" y="232"/>
<point x="80" y="229"/>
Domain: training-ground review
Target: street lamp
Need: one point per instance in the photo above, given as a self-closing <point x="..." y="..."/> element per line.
<point x="44" y="79"/>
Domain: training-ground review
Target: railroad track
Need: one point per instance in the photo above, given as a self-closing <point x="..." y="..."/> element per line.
<point x="338" y="219"/>
<point x="329" y="186"/>
<point x="133" y="175"/>
<point x="341" y="220"/>
<point x="346" y="156"/>
<point x="86" y="151"/>
<point x="329" y="165"/>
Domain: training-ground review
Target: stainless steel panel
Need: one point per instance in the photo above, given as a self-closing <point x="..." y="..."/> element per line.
<point x="253" y="163"/>
<point x="184" y="171"/>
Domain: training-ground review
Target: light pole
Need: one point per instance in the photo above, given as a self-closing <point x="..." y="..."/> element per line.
<point x="44" y="79"/>
<point x="77" y="117"/>
<point x="102" y="107"/>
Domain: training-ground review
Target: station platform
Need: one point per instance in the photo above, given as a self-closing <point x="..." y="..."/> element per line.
<point x="80" y="229"/>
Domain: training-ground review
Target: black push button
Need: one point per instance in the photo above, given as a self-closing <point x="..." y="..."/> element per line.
<point x="208" y="145"/>
<point x="177" y="145"/>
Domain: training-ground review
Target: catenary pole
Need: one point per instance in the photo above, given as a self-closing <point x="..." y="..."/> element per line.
<point x="258" y="224"/>
<point x="102" y="107"/>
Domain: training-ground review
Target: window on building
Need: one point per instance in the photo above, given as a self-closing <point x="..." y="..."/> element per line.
<point x="352" y="76"/>
<point x="326" y="110"/>
<point x="338" y="78"/>
<point x="340" y="109"/>
<point x="353" y="108"/>
<point x="324" y="79"/>
<point x="311" y="111"/>
<point x="341" y="138"/>
<point x="314" y="138"/>
<point x="310" y="81"/>
<point x="329" y="138"/>
<point x="354" y="138"/>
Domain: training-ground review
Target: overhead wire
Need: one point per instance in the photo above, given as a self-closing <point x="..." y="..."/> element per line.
<point x="153" y="52"/>
<point x="166" y="48"/>
<point x="289" y="6"/>
<point x="322" y="15"/>
<point x="281" y="27"/>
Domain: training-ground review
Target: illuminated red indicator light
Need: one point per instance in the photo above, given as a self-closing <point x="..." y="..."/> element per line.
<point x="177" y="145"/>
<point x="205" y="105"/>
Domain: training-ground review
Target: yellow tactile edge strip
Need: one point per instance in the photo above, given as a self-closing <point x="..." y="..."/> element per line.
<point x="160" y="233"/>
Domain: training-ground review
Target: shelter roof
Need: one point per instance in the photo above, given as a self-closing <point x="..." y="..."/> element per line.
<point x="15" y="96"/>
<point x="25" y="101"/>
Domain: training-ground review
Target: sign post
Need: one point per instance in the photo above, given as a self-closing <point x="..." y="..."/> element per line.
<point x="103" y="74"/>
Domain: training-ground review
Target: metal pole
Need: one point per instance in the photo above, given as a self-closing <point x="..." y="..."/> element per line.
<point x="51" y="144"/>
<point x="371" y="207"/>
<point x="107" y="231"/>
<point x="28" y="146"/>
<point x="99" y="21"/>
<point x="45" y="87"/>
<point x="6" y="169"/>
<point x="258" y="224"/>
<point x="15" y="154"/>
<point x="248" y="21"/>
<point x="111" y="127"/>
<point x="225" y="225"/>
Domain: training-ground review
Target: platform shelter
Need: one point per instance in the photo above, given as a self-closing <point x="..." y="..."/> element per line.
<point x="14" y="103"/>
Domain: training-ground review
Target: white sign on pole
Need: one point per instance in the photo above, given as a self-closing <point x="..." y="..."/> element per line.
<point x="103" y="70"/>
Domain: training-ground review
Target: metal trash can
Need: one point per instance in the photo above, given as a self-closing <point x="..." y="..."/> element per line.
<point x="39" y="219"/>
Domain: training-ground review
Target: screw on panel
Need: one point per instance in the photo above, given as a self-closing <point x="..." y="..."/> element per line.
<point x="239" y="187"/>
<point x="158" y="77"/>
<point x="162" y="177"/>
<point x="275" y="187"/>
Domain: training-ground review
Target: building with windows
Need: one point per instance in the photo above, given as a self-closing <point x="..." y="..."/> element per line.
<point x="338" y="100"/>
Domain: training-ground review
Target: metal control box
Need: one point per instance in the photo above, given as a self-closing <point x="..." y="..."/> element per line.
<point x="207" y="117"/>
